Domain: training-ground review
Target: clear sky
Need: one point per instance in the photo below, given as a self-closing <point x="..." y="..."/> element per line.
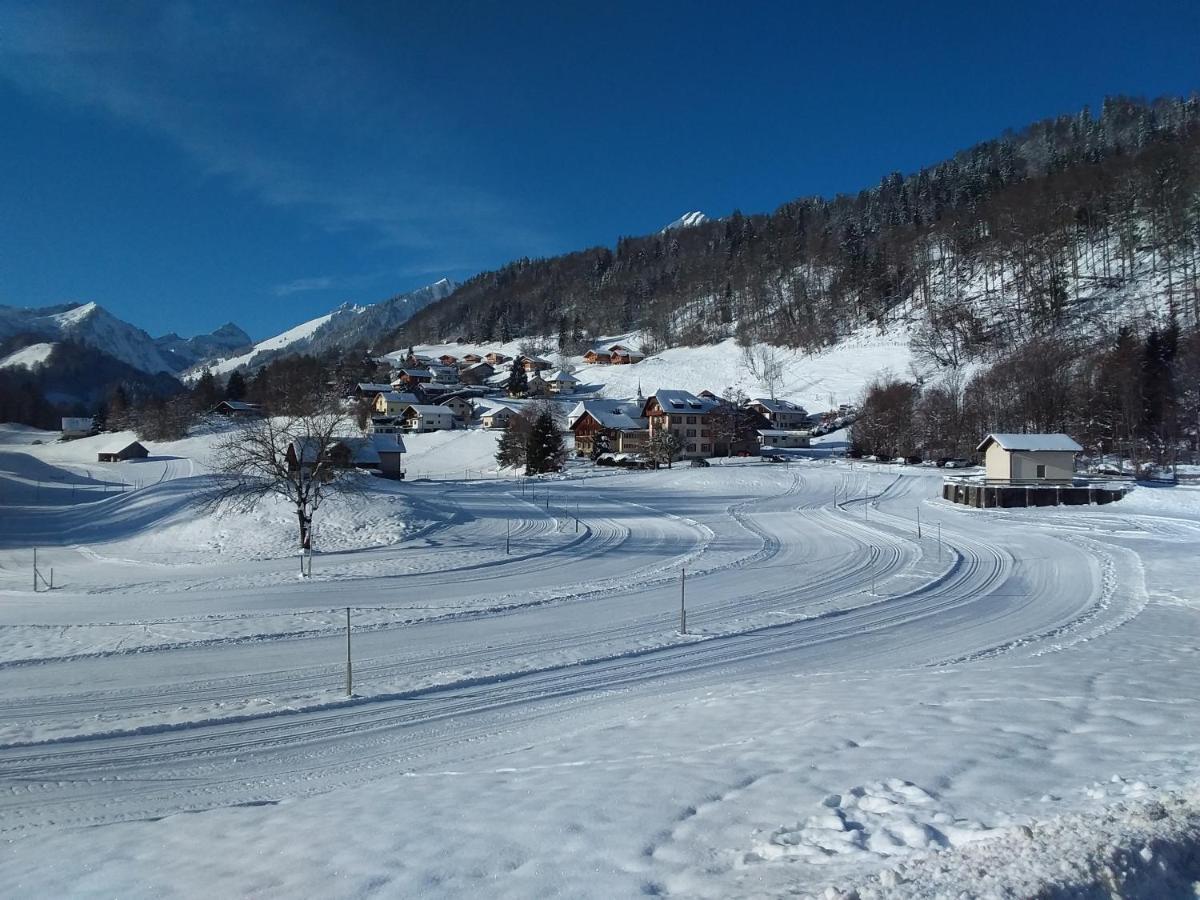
<point x="189" y="163"/>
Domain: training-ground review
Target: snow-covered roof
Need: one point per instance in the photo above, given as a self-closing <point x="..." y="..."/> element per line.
<point x="479" y="365"/>
<point x="1030" y="442"/>
<point x="427" y="409"/>
<point x="777" y="406"/>
<point x="74" y="423"/>
<point x="120" y="448"/>
<point x="624" y="349"/>
<point x="616" y="414"/>
<point x="782" y="432"/>
<point x="673" y="401"/>
<point x="369" y="387"/>
<point x="388" y="443"/>
<point x="397" y="397"/>
<point x="562" y="376"/>
<point x="240" y="405"/>
<point x="417" y="373"/>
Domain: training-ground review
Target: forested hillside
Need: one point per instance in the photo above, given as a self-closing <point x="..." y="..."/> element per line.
<point x="1085" y="221"/>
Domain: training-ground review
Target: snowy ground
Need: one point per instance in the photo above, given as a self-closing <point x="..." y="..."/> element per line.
<point x="854" y="707"/>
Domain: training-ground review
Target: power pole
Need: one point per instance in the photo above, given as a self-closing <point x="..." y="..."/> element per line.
<point x="349" y="668"/>
<point x="683" y="601"/>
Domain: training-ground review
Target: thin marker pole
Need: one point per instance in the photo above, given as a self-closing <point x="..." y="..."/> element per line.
<point x="507" y="535"/>
<point x="35" y="574"/>
<point x="939" y="530"/>
<point x="349" y="669"/>
<point x="682" y="601"/>
<point x="918" y="523"/>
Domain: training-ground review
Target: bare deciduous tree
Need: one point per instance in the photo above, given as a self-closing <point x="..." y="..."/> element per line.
<point x="303" y="459"/>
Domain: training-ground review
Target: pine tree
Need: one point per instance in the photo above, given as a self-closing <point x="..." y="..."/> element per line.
<point x="235" y="387"/>
<point x="544" y="451"/>
<point x="518" y="382"/>
<point x="600" y="446"/>
<point x="206" y="393"/>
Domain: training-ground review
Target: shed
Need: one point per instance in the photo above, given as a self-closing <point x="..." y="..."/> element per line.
<point x="782" y="437"/>
<point x="1029" y="458"/>
<point x="122" y="452"/>
<point x="390" y="449"/>
<point x="236" y="409"/>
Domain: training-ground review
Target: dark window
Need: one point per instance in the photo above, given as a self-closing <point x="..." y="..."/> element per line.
<point x="1041" y="471"/>
<point x="691" y="432"/>
<point x="705" y="448"/>
<point x="691" y="420"/>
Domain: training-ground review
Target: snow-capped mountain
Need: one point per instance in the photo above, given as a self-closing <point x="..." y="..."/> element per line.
<point x="688" y="220"/>
<point x="186" y="352"/>
<point x="343" y="327"/>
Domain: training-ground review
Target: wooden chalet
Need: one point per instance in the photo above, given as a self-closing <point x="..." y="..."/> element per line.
<point x="619" y="422"/>
<point x="412" y="377"/>
<point x="122" y="452"/>
<point x="496" y="358"/>
<point x="535" y="364"/>
<point x="471" y="359"/>
<point x="476" y="373"/>
<point x="447" y="359"/>
<point x="782" y="414"/>
<point x="238" y="409"/>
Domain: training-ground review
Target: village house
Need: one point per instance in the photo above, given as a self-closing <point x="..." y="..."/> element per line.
<point x="412" y="377"/>
<point x="1029" y="458"/>
<point x="369" y="388"/>
<point x="343" y="453"/>
<point x="122" y="452"/>
<point x="462" y="407"/>
<point x="534" y="363"/>
<point x="470" y="359"/>
<point x="390" y="450"/>
<point x="419" y="418"/>
<point x="688" y="417"/>
<point x="237" y="409"/>
<point x="392" y="403"/>
<point x="495" y="358"/>
<point x="597" y="358"/>
<point x="443" y="375"/>
<point x="447" y="360"/>
<point x="623" y="355"/>
<point x="620" y="422"/>
<point x="77" y="426"/>
<point x="385" y="425"/>
<point x="782" y="414"/>
<point x="561" y="382"/>
<point x="477" y="373"/>
<point x="783" y="438"/>
<point x="497" y="416"/>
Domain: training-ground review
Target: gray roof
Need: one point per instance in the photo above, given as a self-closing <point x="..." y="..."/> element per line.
<point x="416" y="373"/>
<point x="388" y="443"/>
<point x="368" y="387"/>
<point x="560" y="375"/>
<point x="683" y="402"/>
<point x="1031" y="442"/>
<point x="426" y="409"/>
<point x="397" y="396"/>
<point x="119" y="448"/>
<point x="621" y="415"/>
<point x="777" y="406"/>
<point x="781" y="432"/>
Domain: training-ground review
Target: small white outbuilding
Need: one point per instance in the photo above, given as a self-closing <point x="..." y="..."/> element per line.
<point x="1029" y="458"/>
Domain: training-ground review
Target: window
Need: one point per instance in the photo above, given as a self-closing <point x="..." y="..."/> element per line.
<point x="691" y="448"/>
<point x="705" y="448"/>
<point x="1041" y="471"/>
<point x="691" y="432"/>
<point x="705" y="432"/>
<point x="691" y="420"/>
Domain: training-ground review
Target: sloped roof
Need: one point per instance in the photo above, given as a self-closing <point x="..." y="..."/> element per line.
<point x="417" y="373"/>
<point x="388" y="443"/>
<point x="1031" y="442"/>
<point x="377" y="387"/>
<point x="120" y="448"/>
<point x="617" y="414"/>
<point x="781" y="432"/>
<point x="682" y="402"/>
<point x="242" y="405"/>
<point x="398" y="396"/>
<point x="427" y="409"/>
<point x="560" y="375"/>
<point x="777" y="406"/>
<point x="625" y="349"/>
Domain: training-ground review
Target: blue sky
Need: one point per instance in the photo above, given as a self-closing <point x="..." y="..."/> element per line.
<point x="190" y="163"/>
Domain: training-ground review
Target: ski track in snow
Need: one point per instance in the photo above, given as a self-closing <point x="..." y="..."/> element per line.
<point x="147" y="688"/>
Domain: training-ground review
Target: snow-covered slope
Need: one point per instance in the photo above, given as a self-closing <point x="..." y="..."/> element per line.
<point x="687" y="220"/>
<point x="28" y="357"/>
<point x="345" y="326"/>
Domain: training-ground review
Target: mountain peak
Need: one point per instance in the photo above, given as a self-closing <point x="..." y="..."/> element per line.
<point x="687" y="220"/>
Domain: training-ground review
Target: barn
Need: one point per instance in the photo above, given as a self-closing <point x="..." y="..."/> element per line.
<point x="122" y="452"/>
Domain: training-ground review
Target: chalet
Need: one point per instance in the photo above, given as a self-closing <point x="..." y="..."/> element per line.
<point x="1029" y="458"/>
<point x="411" y="377"/>
<point x="390" y="450"/>
<point x="624" y="355"/>
<point x="392" y="403"/>
<point x="237" y="409"/>
<point x="535" y="363"/>
<point x="536" y="386"/>
<point x="496" y="358"/>
<point x="776" y="437"/>
<point x="385" y="425"/>
<point x="443" y="374"/>
<point x="422" y="361"/>
<point x="688" y="417"/>
<point x="470" y="359"/>
<point x="782" y="414"/>
<point x="477" y="373"/>
<point x="122" y="452"/>
<point x="497" y="416"/>
<point x="462" y="408"/>
<point x="447" y="360"/>
<point x="597" y="358"/>
<point x="419" y="418"/>
<point x="370" y="388"/>
<point x="77" y="426"/>
<point x="561" y="382"/>
<point x="619" y="422"/>
<point x="342" y="453"/>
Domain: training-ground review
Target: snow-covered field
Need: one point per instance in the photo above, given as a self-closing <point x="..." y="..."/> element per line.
<point x="1001" y="704"/>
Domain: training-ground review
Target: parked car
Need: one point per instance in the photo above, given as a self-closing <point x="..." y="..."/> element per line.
<point x="1106" y="469"/>
<point x="699" y="463"/>
<point x="959" y="464"/>
<point x="773" y="457"/>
